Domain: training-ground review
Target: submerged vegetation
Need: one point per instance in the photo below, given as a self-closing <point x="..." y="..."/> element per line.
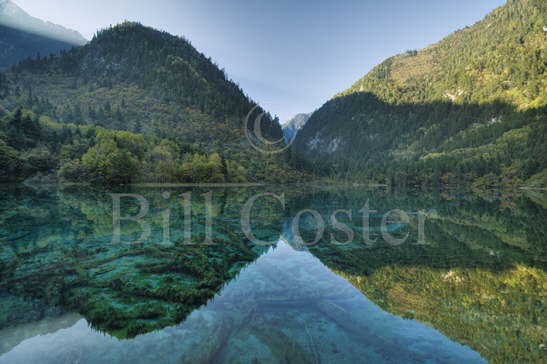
<point x="479" y="277"/>
<point x="125" y="290"/>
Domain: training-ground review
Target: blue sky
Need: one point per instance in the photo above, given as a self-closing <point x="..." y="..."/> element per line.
<point x="291" y="56"/>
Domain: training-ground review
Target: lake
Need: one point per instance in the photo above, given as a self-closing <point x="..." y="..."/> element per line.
<point x="271" y="274"/>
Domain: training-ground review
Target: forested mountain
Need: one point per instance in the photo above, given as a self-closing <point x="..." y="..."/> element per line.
<point x="176" y="106"/>
<point x="131" y="77"/>
<point x="470" y="107"/>
<point x="293" y="126"/>
<point x="22" y="35"/>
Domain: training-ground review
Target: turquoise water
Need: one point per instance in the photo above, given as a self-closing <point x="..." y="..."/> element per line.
<point x="466" y="285"/>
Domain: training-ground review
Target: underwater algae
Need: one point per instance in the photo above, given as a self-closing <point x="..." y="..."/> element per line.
<point x="476" y="280"/>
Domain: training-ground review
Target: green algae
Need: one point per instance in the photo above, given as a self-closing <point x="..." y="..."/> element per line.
<point x="67" y="260"/>
<point x="122" y="290"/>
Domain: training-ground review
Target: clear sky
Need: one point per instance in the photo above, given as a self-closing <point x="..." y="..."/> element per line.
<point x="291" y="56"/>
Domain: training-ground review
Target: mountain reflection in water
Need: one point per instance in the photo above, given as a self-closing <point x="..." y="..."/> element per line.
<point x="459" y="298"/>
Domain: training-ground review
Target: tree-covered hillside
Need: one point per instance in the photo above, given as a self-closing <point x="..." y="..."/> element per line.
<point x="501" y="57"/>
<point x="39" y="149"/>
<point x="151" y="84"/>
<point x="134" y="78"/>
<point x="470" y="107"/>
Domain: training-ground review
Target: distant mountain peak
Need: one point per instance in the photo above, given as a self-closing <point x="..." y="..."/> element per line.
<point x="293" y="126"/>
<point x="12" y="16"/>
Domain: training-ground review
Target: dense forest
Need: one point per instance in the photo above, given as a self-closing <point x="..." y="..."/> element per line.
<point x="470" y="108"/>
<point x="131" y="77"/>
<point x="47" y="151"/>
<point x="133" y="105"/>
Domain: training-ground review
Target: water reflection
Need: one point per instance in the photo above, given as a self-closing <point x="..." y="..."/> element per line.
<point x="479" y="280"/>
<point x="286" y="304"/>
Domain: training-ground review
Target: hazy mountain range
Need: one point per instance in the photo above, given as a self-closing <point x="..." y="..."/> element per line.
<point x="22" y="35"/>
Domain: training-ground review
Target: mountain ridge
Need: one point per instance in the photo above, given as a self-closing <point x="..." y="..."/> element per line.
<point x="11" y="15"/>
<point x="450" y="112"/>
<point x="461" y="67"/>
<point x="293" y="126"/>
<point x="129" y="59"/>
<point x="146" y="101"/>
<point x="23" y="36"/>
